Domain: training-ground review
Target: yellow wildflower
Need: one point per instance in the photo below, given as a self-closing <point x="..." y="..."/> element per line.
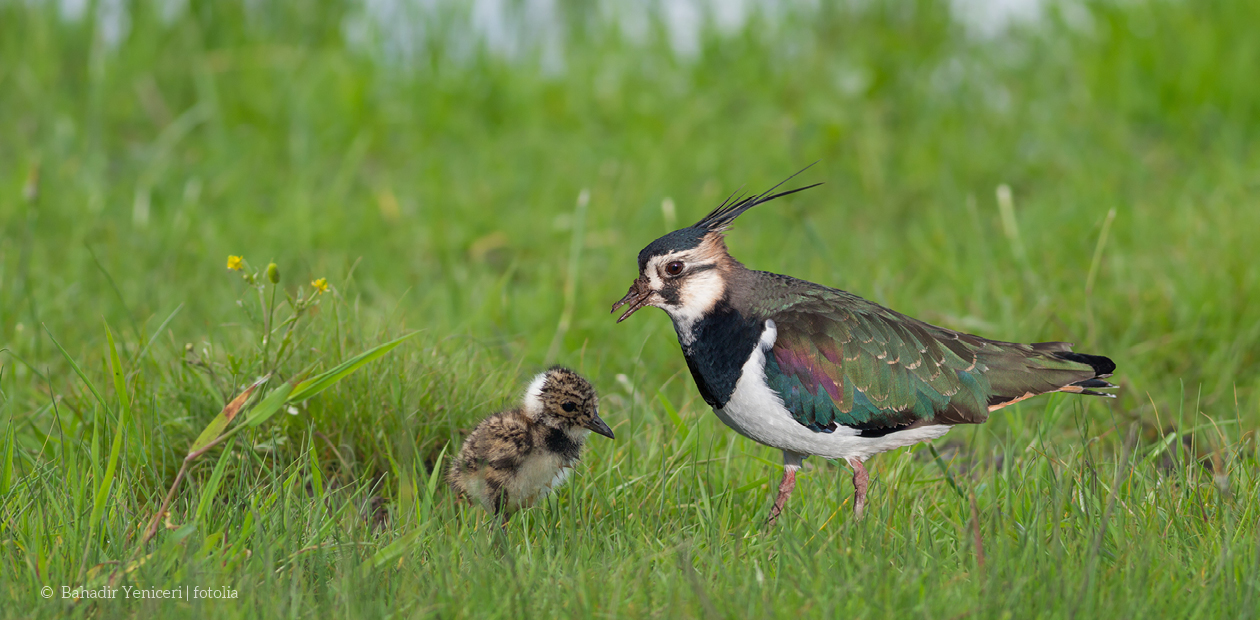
<point x="320" y="285"/>
<point x="235" y="263"/>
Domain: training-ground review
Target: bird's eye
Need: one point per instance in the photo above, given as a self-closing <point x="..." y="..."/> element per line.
<point x="674" y="268"/>
<point x="569" y="406"/>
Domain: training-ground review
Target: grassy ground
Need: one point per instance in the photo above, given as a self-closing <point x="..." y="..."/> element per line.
<point x="440" y="192"/>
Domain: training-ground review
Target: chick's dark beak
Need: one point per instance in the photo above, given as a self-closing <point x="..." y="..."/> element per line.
<point x="598" y="425"/>
<point x="637" y="297"/>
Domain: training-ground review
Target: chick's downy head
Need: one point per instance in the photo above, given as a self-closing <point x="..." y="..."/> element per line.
<point x="561" y="398"/>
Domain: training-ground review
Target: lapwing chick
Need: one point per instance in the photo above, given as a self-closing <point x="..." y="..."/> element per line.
<point x="516" y="457"/>
<point x="813" y="370"/>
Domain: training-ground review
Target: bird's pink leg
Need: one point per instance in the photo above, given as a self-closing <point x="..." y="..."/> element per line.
<point x="785" y="489"/>
<point x="860" y="480"/>
<point x="791" y="463"/>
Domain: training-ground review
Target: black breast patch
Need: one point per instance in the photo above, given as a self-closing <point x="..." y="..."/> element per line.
<point x="724" y="340"/>
<point x="559" y="442"/>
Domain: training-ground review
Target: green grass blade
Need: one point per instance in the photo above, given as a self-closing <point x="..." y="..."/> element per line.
<point x="120" y="388"/>
<point x="436" y="475"/>
<point x="672" y="412"/>
<point x="157" y="332"/>
<point x="220" y="422"/>
<point x="94" y="453"/>
<point x="392" y="551"/>
<point x="690" y="437"/>
<point x="78" y="371"/>
<point x="940" y="463"/>
<point x="269" y="405"/>
<point x="6" y="465"/>
<point x="1160" y="448"/>
<point x="430" y="487"/>
<point x="216" y="479"/>
<point x="325" y="380"/>
<point x="317" y="478"/>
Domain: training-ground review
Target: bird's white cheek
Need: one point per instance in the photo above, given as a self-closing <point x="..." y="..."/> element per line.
<point x="696" y="297"/>
<point x="702" y="291"/>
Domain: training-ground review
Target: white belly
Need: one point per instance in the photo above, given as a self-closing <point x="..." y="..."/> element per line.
<point x="537" y="477"/>
<point x="756" y="412"/>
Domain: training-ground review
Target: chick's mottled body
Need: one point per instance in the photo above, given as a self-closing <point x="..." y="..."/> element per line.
<point x="516" y="457"/>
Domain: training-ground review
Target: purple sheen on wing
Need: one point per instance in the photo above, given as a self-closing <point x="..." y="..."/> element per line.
<point x="807" y="368"/>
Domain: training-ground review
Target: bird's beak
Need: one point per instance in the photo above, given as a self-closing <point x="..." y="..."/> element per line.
<point x="637" y="297"/>
<point x="598" y="425"/>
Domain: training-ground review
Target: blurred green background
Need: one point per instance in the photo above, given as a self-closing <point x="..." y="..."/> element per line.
<point x="1080" y="171"/>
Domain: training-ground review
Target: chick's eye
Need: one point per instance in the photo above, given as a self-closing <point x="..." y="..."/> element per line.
<point x="674" y="268"/>
<point x="569" y="406"/>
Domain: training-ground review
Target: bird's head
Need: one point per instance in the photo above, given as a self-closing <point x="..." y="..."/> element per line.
<point x="685" y="272"/>
<point x="562" y="399"/>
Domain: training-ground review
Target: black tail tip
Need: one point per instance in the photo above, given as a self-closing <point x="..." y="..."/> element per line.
<point x="1094" y="383"/>
<point x="1102" y="365"/>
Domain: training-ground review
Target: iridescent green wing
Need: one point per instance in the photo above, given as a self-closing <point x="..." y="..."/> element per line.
<point x="841" y="360"/>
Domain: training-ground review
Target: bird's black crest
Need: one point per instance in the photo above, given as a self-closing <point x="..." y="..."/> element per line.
<point x="717" y="221"/>
<point x="720" y="219"/>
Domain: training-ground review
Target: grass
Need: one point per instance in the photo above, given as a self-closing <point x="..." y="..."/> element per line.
<point x="440" y="192"/>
